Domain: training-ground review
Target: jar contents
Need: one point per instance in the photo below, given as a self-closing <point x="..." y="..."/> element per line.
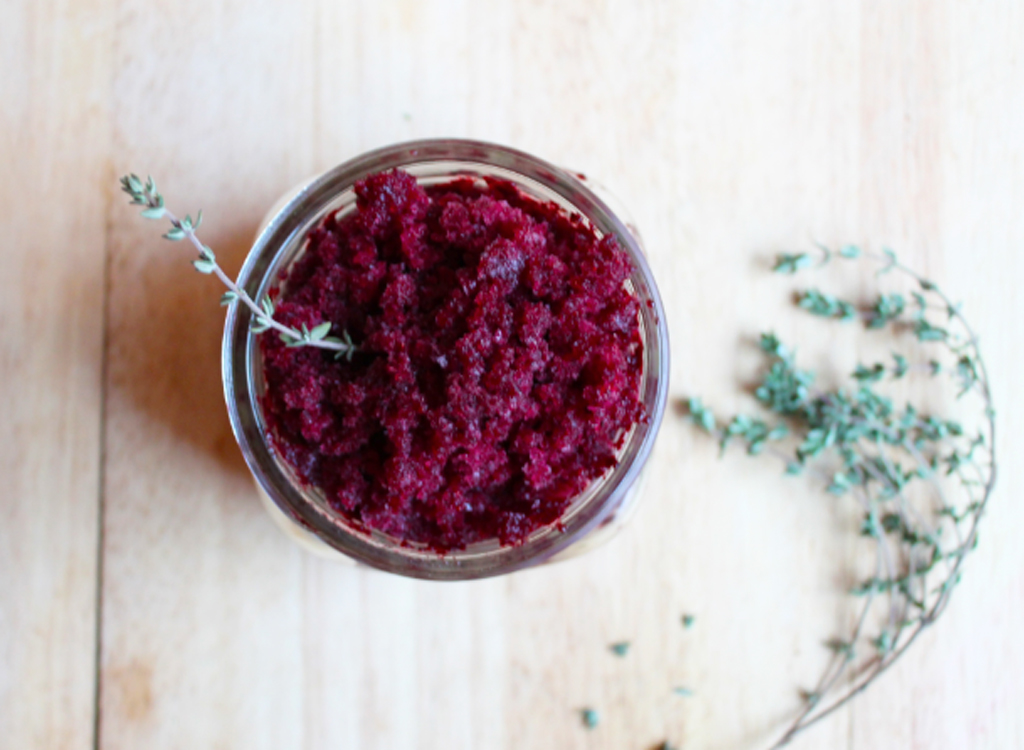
<point x="498" y="364"/>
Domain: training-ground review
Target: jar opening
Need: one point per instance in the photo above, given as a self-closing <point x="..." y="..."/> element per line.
<point x="280" y="243"/>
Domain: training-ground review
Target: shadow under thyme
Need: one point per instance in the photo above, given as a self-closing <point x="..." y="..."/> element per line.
<point x="164" y="343"/>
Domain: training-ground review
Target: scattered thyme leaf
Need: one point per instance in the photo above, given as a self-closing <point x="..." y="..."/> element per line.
<point x="883" y="643"/>
<point x="688" y="621"/>
<point x="887" y="308"/>
<point x="826" y="306"/>
<point x="925" y="331"/>
<point x="590" y="718"/>
<point x="621" y="648"/>
<point x="902" y="366"/>
<point x="810" y="697"/>
<point x="792" y="263"/>
<point x="869" y="374"/>
<point x="701" y="415"/>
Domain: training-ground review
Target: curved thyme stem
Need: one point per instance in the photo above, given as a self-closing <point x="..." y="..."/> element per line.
<point x="146" y="194"/>
<point x="843" y="656"/>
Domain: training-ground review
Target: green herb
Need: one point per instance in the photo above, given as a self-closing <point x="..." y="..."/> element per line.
<point x="590" y="717"/>
<point x="620" y="649"/>
<point x="146" y="194"/>
<point x="902" y="366"/>
<point x="886" y="309"/>
<point x="826" y="306"/>
<point x="688" y="621"/>
<point x="792" y="263"/>
<point x="701" y="415"/>
<point x="682" y="691"/>
<point x="861" y="445"/>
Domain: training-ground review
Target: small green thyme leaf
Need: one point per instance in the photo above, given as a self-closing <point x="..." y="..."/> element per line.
<point x="319" y="332"/>
<point x="883" y="643"/>
<point x="620" y="649"/>
<point x="843" y="648"/>
<point x="887" y="308"/>
<point x="925" y="331"/>
<point x="204" y="266"/>
<point x="810" y="697"/>
<point x="839" y="485"/>
<point x="590" y="717"/>
<point x="785" y="263"/>
<point x="688" y="621"/>
<point x="770" y="344"/>
<point x="849" y="251"/>
<point x="902" y="366"/>
<point x="869" y="374"/>
<point x="754" y="431"/>
<point x="685" y="692"/>
<point x="870" y="527"/>
<point x="701" y="415"/>
<point x="826" y="306"/>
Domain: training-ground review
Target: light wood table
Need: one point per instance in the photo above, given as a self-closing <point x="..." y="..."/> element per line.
<point x="146" y="601"/>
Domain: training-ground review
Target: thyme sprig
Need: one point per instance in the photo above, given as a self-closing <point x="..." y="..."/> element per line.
<point x="860" y="444"/>
<point x="146" y="194"/>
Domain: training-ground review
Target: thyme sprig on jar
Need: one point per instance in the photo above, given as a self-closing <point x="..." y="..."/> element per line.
<point x="858" y="443"/>
<point x="145" y="194"/>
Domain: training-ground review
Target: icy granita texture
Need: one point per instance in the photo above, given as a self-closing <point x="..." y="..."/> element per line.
<point x="498" y="367"/>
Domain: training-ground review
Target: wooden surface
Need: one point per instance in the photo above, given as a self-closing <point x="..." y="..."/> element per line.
<point x="145" y="598"/>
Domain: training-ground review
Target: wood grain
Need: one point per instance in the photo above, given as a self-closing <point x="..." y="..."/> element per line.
<point x="731" y="130"/>
<point x="55" y="184"/>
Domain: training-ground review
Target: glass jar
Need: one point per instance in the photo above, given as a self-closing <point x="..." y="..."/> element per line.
<point x="301" y="510"/>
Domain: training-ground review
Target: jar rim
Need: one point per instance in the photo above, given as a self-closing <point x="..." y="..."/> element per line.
<point x="290" y="224"/>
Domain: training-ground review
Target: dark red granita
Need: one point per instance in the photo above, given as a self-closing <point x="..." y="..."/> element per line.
<point x="498" y="364"/>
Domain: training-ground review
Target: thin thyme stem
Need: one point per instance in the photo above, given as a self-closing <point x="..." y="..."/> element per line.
<point x="145" y="194"/>
<point x="243" y="296"/>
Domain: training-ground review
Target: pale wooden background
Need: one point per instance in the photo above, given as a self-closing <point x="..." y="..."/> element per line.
<point x="145" y="598"/>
